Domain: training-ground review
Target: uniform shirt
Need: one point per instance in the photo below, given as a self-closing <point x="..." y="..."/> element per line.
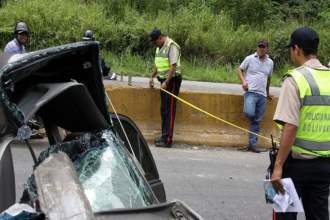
<point x="257" y="73"/>
<point x="14" y="47"/>
<point x="288" y="106"/>
<point x="173" y="53"/>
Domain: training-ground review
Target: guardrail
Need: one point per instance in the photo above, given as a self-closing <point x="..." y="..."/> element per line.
<point x="192" y="126"/>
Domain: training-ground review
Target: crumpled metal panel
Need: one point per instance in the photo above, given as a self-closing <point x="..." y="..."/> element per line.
<point x="13" y="113"/>
<point x="109" y="175"/>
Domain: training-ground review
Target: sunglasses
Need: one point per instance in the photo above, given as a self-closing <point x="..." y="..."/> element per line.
<point x="24" y="33"/>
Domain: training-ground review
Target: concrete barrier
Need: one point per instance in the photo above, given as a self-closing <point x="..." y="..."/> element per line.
<point x="142" y="105"/>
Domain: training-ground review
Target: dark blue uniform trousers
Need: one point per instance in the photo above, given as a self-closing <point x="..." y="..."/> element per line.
<point x="311" y="179"/>
<point x="168" y="108"/>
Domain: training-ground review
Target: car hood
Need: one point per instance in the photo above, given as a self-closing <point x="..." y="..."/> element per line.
<point x="78" y="62"/>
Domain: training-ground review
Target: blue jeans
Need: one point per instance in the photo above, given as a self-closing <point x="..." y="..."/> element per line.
<point x="254" y="109"/>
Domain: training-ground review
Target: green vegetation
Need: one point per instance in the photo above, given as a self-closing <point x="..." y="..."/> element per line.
<point x="215" y="35"/>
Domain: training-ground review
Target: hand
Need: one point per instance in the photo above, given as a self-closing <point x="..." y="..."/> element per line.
<point x="270" y="96"/>
<point x="164" y="85"/>
<point x="151" y="82"/>
<point x="276" y="180"/>
<point x="245" y="86"/>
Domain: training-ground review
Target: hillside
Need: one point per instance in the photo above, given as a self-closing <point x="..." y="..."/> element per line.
<point x="215" y="35"/>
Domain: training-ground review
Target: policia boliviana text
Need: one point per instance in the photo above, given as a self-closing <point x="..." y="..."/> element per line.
<point x="167" y="66"/>
<point x="305" y="142"/>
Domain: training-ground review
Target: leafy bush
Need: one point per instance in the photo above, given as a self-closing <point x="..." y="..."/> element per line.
<point x="6" y="35"/>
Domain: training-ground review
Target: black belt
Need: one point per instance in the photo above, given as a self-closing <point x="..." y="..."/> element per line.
<point x="163" y="80"/>
<point x="173" y="78"/>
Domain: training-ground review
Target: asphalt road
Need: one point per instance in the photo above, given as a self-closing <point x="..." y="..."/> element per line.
<point x="218" y="183"/>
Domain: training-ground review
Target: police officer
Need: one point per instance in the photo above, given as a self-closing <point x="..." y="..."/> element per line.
<point x="21" y="36"/>
<point x="167" y="66"/>
<point x="89" y="36"/>
<point x="303" y="110"/>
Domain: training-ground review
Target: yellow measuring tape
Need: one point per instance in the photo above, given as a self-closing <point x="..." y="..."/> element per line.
<point x="220" y="119"/>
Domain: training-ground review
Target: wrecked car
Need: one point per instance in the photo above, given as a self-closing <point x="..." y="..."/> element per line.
<point x="96" y="159"/>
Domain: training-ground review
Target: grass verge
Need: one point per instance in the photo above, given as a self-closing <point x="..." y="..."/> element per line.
<point x="191" y="70"/>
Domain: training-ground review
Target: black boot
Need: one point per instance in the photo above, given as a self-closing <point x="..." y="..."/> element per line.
<point x="157" y="140"/>
<point x="163" y="144"/>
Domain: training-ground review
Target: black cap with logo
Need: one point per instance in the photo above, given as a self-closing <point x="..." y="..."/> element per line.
<point x="262" y="42"/>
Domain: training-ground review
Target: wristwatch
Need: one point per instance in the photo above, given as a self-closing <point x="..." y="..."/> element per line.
<point x="167" y="82"/>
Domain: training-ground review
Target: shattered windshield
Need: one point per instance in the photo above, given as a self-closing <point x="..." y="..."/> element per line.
<point x="108" y="174"/>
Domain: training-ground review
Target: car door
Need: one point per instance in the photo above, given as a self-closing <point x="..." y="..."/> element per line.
<point x="141" y="152"/>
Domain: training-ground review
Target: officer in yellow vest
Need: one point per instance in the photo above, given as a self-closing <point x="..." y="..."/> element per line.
<point x="304" y="111"/>
<point x="167" y="66"/>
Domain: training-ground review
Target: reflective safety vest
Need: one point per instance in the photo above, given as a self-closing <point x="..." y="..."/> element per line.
<point x="313" y="134"/>
<point x="162" y="61"/>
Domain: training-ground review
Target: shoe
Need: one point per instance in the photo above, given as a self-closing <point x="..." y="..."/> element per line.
<point x="253" y="149"/>
<point x="158" y="140"/>
<point x="163" y="144"/>
<point x="243" y="149"/>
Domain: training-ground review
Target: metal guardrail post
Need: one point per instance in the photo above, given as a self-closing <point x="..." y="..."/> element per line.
<point x="129" y="80"/>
